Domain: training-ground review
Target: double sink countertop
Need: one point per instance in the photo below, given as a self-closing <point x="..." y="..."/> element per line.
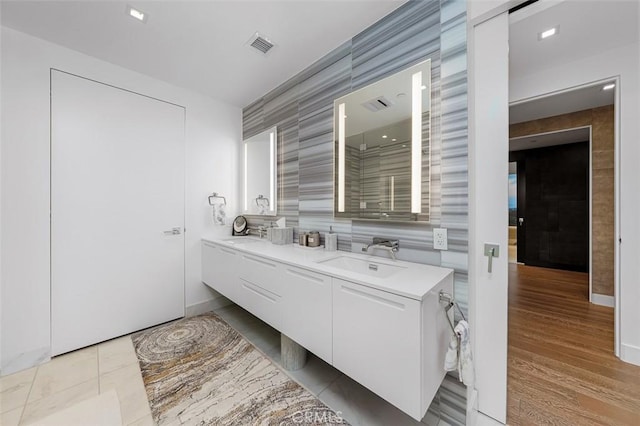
<point x="407" y="279"/>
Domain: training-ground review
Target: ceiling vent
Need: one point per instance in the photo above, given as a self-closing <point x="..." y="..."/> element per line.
<point x="260" y="43"/>
<point x="377" y="104"/>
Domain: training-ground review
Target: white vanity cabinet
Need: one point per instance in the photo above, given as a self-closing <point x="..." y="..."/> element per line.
<point x="376" y="341"/>
<point x="220" y="269"/>
<point x="307" y="310"/>
<point x="389" y="334"/>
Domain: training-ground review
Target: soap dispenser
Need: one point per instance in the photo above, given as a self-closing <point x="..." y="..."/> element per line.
<point x="331" y="240"/>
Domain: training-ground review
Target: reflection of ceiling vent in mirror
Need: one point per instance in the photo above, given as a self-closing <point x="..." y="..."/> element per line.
<point x="260" y="43"/>
<point x="377" y="104"/>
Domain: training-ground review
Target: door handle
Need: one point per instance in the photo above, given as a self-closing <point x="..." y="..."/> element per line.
<point x="520" y="220"/>
<point x="173" y="231"/>
<point x="491" y="250"/>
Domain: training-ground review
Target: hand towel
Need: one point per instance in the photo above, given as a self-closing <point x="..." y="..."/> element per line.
<point x="451" y="358"/>
<point x="219" y="214"/>
<point x="465" y="358"/>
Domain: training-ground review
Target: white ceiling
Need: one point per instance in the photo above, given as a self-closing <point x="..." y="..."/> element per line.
<point x="572" y="101"/>
<point x="586" y="28"/>
<point x="201" y="45"/>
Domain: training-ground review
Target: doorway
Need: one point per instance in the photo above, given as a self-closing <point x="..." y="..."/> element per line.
<point x="560" y="162"/>
<point x="552" y="223"/>
<point x="513" y="211"/>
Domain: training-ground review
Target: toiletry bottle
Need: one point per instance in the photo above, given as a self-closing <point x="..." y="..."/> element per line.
<point x="331" y="240"/>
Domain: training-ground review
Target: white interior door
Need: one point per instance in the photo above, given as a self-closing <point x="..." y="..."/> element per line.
<point x="117" y="187"/>
<point x="488" y="181"/>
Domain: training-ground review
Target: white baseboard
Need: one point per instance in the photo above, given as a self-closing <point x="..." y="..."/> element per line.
<point x="207" y="306"/>
<point x="601" y="299"/>
<point x="630" y="354"/>
<point x="26" y="360"/>
<point x="484" y="420"/>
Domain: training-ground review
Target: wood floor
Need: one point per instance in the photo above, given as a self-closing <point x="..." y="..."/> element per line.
<point x="561" y="364"/>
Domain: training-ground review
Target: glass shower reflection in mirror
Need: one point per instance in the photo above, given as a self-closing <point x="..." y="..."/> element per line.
<point x="382" y="156"/>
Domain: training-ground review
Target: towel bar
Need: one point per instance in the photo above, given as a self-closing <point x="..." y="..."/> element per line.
<point x="215" y="196"/>
<point x="451" y="303"/>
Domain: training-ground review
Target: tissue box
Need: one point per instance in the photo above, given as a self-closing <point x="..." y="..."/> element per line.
<point x="281" y="236"/>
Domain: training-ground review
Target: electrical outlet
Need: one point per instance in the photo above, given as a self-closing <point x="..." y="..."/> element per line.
<point x="440" y="239"/>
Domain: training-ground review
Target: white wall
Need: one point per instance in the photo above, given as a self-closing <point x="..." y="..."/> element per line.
<point x="622" y="62"/>
<point x="212" y="138"/>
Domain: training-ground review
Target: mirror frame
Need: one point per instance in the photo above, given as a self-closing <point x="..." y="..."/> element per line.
<point x="270" y="136"/>
<point x="418" y="197"/>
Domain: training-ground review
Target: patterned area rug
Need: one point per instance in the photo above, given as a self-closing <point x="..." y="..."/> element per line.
<point x="200" y="371"/>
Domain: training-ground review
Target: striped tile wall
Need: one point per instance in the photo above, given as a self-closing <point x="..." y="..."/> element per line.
<point x="302" y="108"/>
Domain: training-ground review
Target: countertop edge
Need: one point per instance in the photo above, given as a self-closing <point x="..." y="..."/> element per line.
<point x="311" y="258"/>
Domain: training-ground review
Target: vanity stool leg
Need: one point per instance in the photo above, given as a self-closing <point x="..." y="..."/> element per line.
<point x="293" y="355"/>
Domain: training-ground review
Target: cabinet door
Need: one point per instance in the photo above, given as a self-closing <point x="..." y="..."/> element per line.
<point x="220" y="269"/>
<point x="307" y="310"/>
<point x="376" y="341"/>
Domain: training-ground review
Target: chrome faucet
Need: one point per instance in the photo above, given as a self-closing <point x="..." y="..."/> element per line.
<point x="392" y="246"/>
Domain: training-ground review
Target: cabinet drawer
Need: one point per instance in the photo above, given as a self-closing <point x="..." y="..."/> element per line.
<point x="262" y="272"/>
<point x="261" y="303"/>
<point x="307" y="310"/>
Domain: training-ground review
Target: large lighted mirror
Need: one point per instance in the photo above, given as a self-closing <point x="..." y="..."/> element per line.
<point x="382" y="147"/>
<point x="259" y="174"/>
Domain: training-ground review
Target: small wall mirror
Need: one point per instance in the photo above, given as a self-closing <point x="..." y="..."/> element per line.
<point x="382" y="136"/>
<point x="259" y="174"/>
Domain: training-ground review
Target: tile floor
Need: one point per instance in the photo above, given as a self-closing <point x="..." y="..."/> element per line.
<point x="34" y="394"/>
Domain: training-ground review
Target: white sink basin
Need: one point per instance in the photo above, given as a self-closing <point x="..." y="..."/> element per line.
<point x="362" y="266"/>
<point x="242" y="240"/>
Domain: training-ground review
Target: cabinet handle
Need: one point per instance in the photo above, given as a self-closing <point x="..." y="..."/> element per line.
<point x="260" y="292"/>
<point x="307" y="276"/>
<point x="228" y="251"/>
<point x="253" y="259"/>
<point x="373" y="297"/>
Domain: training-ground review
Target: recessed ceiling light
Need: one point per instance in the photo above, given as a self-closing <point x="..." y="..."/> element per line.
<point x="137" y="14"/>
<point x="394" y="139"/>
<point x="548" y="33"/>
<point x="384" y="136"/>
<point x="609" y="86"/>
